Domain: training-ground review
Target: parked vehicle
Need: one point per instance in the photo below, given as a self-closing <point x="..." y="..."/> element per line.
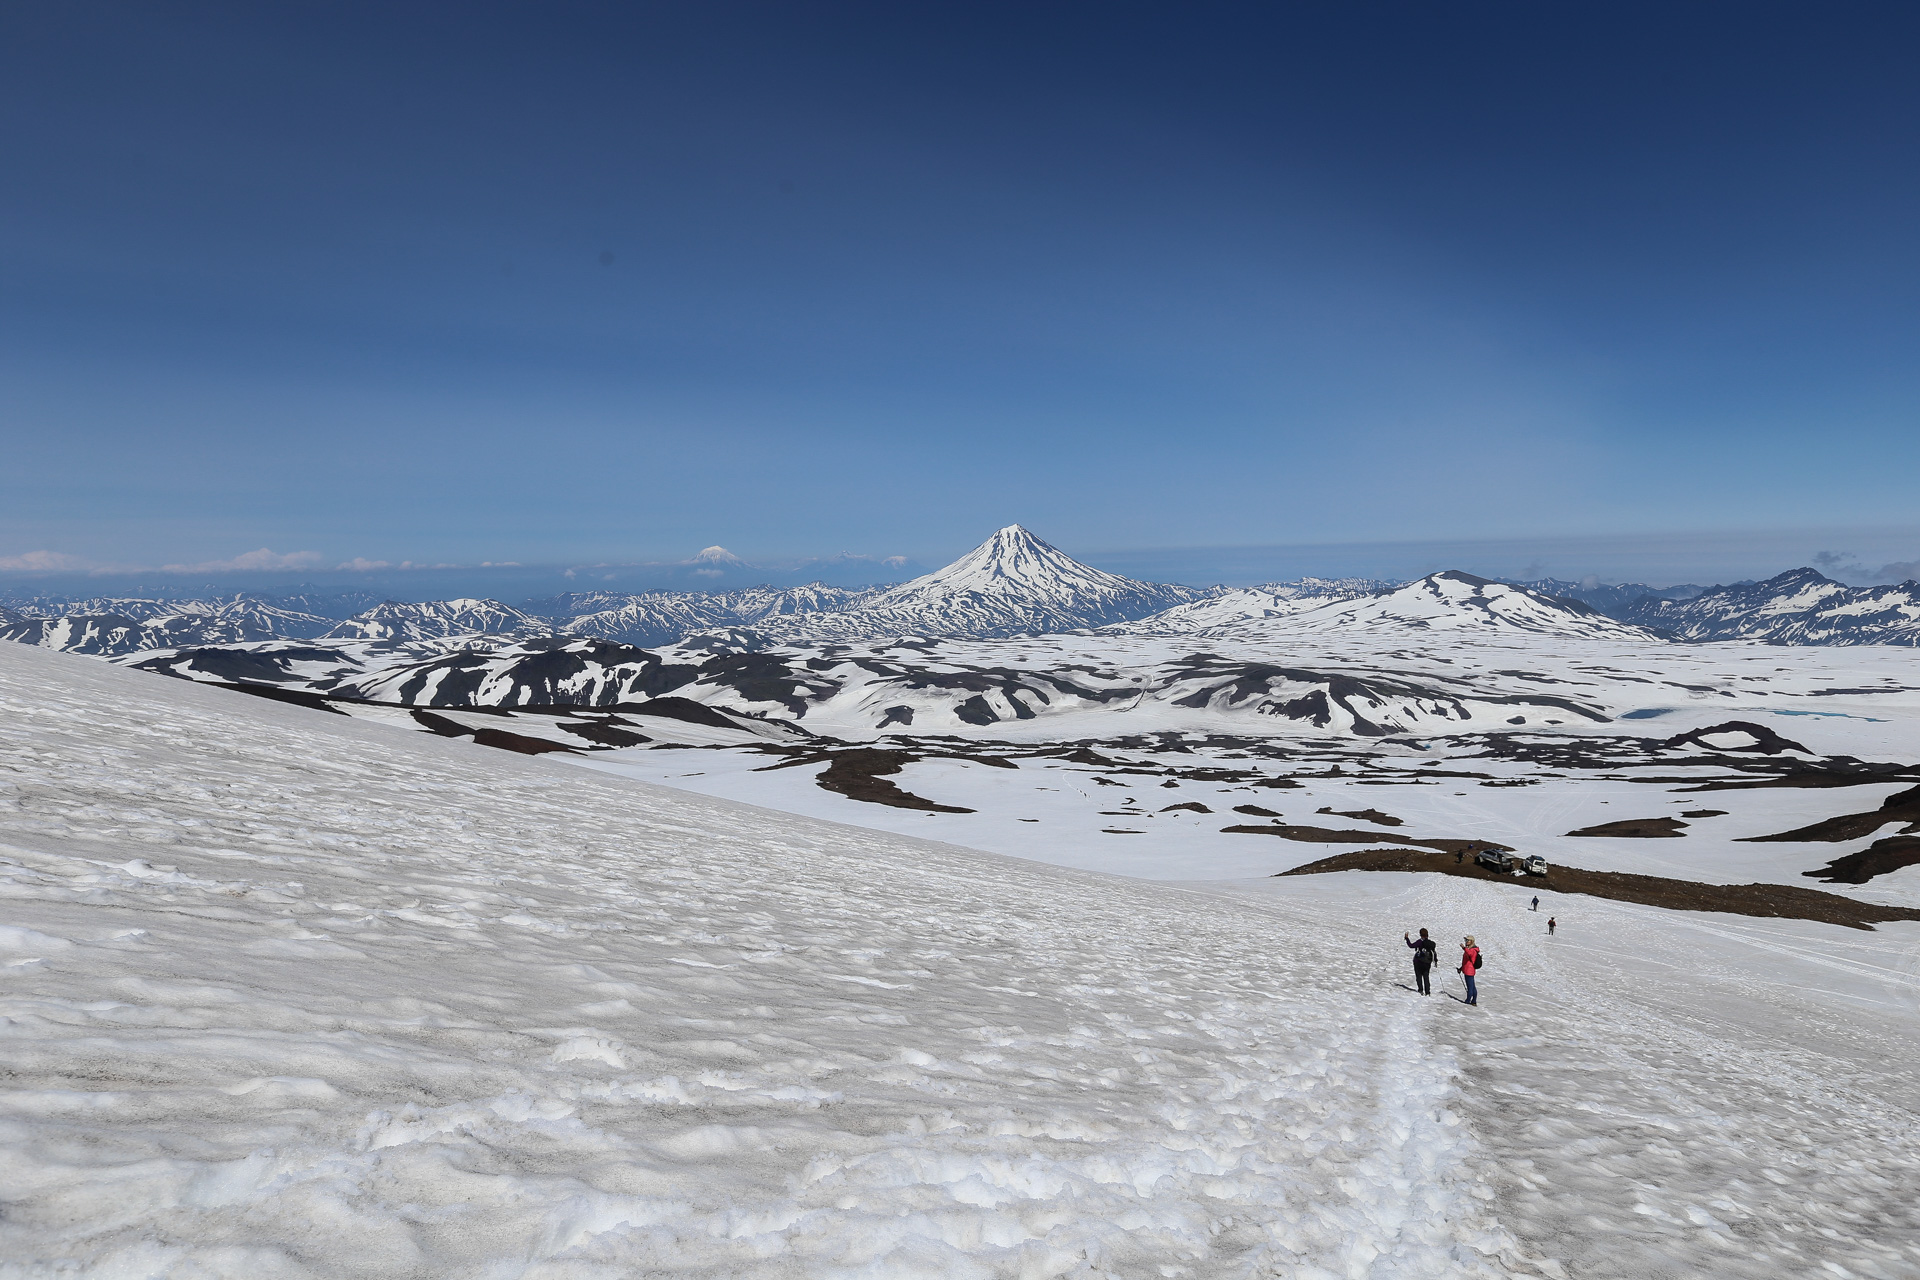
<point x="1494" y="860"/>
<point x="1535" y="865"/>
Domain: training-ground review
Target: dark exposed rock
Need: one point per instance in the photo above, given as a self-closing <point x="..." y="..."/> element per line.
<point x="683" y="709"/>
<point x="858" y="775"/>
<point x="1364" y="815"/>
<point x="1325" y="835"/>
<point x="1877" y="859"/>
<point x="1902" y="807"/>
<point x="1643" y="828"/>
<point x="1774" y="900"/>
<point x="606" y="735"/>
<point x="1765" y="741"/>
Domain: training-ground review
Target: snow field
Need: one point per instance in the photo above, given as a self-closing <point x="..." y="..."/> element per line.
<point x="1674" y="1094"/>
<point x="283" y="994"/>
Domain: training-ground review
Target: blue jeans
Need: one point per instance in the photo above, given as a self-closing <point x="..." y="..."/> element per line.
<point x="1473" y="996"/>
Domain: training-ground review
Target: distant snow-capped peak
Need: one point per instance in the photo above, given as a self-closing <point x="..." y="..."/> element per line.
<point x="1012" y="584"/>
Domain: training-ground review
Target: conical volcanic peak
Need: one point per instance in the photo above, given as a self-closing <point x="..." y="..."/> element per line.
<point x="1012" y="584"/>
<point x="1014" y="563"/>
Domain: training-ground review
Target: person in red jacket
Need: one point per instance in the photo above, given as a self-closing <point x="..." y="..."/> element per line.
<point x="1470" y="965"/>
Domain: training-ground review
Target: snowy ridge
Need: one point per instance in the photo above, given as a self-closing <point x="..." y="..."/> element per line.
<point x="1246" y="604"/>
<point x="438" y="619"/>
<point x="1616" y="600"/>
<point x="1449" y="601"/>
<point x="133" y="626"/>
<point x="662" y="617"/>
<point x="1011" y="584"/>
<point x="1799" y="607"/>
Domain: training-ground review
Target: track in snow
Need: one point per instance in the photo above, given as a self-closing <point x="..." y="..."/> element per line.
<point x="1666" y="1094"/>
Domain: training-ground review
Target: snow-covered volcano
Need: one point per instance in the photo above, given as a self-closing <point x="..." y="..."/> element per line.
<point x="1011" y="584"/>
<point x="1455" y="602"/>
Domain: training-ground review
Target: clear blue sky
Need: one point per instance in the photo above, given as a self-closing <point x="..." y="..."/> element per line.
<point x="569" y="282"/>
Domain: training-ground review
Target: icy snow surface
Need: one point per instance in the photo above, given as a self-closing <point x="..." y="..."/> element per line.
<point x="289" y="994"/>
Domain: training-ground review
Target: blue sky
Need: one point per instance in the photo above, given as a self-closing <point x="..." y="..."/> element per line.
<point x="572" y="284"/>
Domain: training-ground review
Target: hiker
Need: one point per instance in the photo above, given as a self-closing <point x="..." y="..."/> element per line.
<point x="1423" y="954"/>
<point x="1551" y="923"/>
<point x="1536" y="902"/>
<point x="1460" y="855"/>
<point x="1470" y="965"/>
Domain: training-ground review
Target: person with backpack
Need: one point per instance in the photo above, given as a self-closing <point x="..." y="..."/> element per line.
<point x="1536" y="902"/>
<point x="1423" y="954"/>
<point x="1552" y="924"/>
<point x="1470" y="964"/>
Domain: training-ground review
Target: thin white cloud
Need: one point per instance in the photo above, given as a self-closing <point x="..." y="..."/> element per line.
<point x="44" y="562"/>
<point x="263" y="559"/>
<point x="360" y="564"/>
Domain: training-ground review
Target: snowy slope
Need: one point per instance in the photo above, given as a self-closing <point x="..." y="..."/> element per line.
<point x="1011" y="584"/>
<point x="292" y="995"/>
<point x="326" y="1000"/>
<point x="1800" y="607"/>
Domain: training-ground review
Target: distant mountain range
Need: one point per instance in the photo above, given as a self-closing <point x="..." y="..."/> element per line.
<point x="1797" y="607"/>
<point x="1013" y="584"/>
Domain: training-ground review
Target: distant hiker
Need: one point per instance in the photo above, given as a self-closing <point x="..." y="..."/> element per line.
<point x="1470" y="965"/>
<point x="1423" y="954"/>
<point x="1536" y="902"/>
<point x="1551" y="924"/>
<point x="1460" y="855"/>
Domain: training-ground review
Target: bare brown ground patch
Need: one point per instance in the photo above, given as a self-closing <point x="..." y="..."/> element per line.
<point x="1769" y="900"/>
<point x="1640" y="828"/>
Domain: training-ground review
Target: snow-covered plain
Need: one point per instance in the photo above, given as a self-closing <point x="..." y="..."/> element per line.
<point x="287" y="993"/>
